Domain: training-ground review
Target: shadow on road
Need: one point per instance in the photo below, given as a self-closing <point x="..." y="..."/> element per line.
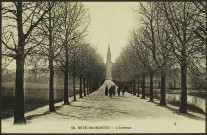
<point x="176" y="111"/>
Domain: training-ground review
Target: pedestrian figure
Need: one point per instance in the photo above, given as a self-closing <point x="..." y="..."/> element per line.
<point x="123" y="91"/>
<point x="118" y="91"/>
<point x="111" y="91"/>
<point x="106" y="90"/>
<point x="114" y="89"/>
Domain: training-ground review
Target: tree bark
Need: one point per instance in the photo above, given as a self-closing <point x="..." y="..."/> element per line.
<point x="206" y="48"/>
<point x="51" y="87"/>
<point x="81" y="96"/>
<point x="131" y="87"/>
<point x="74" y="94"/>
<point x="134" y="90"/>
<point x="35" y="73"/>
<point x="138" y="86"/>
<point x="84" y="86"/>
<point x="128" y="87"/>
<point x="131" y="84"/>
<point x="1" y="56"/>
<point x="19" y="85"/>
<point x="151" y="86"/>
<point x="51" y="83"/>
<point x="19" y="92"/>
<point x="162" y="91"/>
<point x="87" y="87"/>
<point x="143" y="86"/>
<point x="174" y="84"/>
<point x="66" y="101"/>
<point x="183" y="100"/>
<point x="92" y="86"/>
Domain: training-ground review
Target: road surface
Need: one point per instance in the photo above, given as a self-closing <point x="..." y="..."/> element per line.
<point x="98" y="113"/>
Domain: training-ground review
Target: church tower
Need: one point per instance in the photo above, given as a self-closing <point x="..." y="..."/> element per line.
<point x="109" y="54"/>
<point x="108" y="65"/>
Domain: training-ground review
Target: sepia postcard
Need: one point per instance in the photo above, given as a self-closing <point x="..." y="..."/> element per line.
<point x="103" y="67"/>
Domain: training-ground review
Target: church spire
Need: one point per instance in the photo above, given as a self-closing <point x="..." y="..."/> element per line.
<point x="108" y="64"/>
<point x="109" y="48"/>
<point x="109" y="54"/>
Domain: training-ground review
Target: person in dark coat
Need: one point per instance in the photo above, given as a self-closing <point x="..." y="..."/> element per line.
<point x="114" y="89"/>
<point x="111" y="91"/>
<point x="123" y="91"/>
<point x="106" y="90"/>
<point x="118" y="90"/>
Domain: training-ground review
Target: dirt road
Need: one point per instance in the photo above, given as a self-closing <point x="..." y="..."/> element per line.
<point x="98" y="113"/>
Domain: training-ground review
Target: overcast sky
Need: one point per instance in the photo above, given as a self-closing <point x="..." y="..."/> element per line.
<point x="111" y="23"/>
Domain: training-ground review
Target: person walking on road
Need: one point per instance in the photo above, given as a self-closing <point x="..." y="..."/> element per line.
<point x="123" y="91"/>
<point x="111" y="91"/>
<point x="114" y="89"/>
<point x="118" y="90"/>
<point x="106" y="90"/>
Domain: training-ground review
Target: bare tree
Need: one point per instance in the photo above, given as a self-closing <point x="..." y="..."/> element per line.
<point x="180" y="15"/>
<point x="83" y="63"/>
<point x="76" y="20"/>
<point x="144" y="56"/>
<point x="20" y="20"/>
<point x="51" y="46"/>
<point x="165" y="58"/>
<point x="201" y="31"/>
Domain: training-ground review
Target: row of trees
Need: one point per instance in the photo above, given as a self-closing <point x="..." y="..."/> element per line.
<point x="52" y="33"/>
<point x="172" y="36"/>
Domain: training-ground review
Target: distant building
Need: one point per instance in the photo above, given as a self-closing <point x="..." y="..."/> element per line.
<point x="108" y="65"/>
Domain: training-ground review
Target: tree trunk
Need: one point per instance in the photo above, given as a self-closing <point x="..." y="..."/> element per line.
<point x="174" y="84"/>
<point x="66" y="101"/>
<point x="74" y="94"/>
<point x="162" y="91"/>
<point x="1" y="56"/>
<point x="143" y="87"/>
<point x="183" y="100"/>
<point x="134" y="90"/>
<point x="92" y="86"/>
<point x="19" y="92"/>
<point x="35" y="74"/>
<point x="51" y="84"/>
<point x="131" y="87"/>
<point x="51" y="87"/>
<point x="81" y="87"/>
<point x="19" y="84"/>
<point x="206" y="48"/>
<point x="84" y="86"/>
<point x="159" y="85"/>
<point x="128" y="87"/>
<point x="87" y="87"/>
<point x="138" y="86"/>
<point x="131" y="84"/>
<point x="151" y="87"/>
